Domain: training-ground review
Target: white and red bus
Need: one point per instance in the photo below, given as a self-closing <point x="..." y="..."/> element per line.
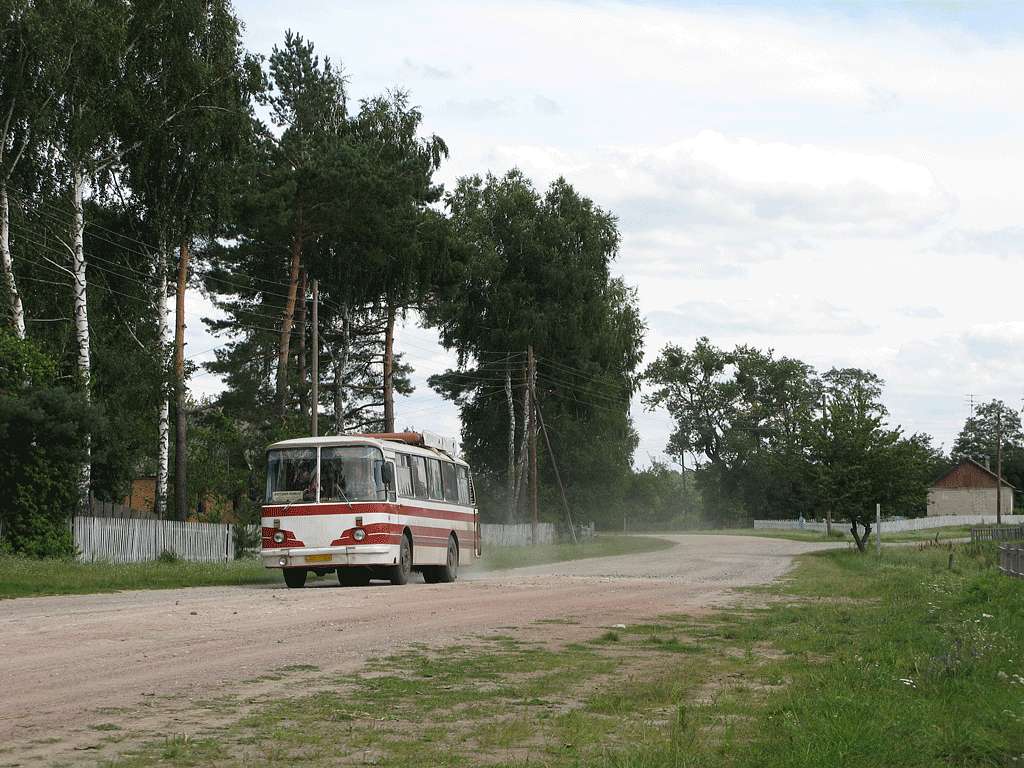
<point x="369" y="507"/>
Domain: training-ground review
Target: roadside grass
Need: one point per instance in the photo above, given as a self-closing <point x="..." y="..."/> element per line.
<point x="25" y="577"/>
<point x="500" y="558"/>
<point x="850" y="661"/>
<point x="840" y="533"/>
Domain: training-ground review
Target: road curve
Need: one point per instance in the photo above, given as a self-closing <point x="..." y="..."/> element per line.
<point x="65" y="659"/>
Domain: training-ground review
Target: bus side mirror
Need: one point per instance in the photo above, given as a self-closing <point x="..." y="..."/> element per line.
<point x="387" y="474"/>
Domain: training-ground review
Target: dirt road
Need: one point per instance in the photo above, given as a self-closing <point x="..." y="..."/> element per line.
<point x="64" y="661"/>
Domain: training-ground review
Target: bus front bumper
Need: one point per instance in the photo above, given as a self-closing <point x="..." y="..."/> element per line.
<point x="330" y="557"/>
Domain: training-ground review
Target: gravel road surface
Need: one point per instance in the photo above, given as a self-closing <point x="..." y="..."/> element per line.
<point x="65" y="661"/>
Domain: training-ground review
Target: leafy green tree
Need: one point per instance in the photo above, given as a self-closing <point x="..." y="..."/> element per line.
<point x="401" y="259"/>
<point x="531" y="269"/>
<point x="92" y="33"/>
<point x="43" y="432"/>
<point x="29" y="66"/>
<point x="778" y="440"/>
<point x="979" y="436"/>
<point x="745" y="413"/>
<point x="188" y="117"/>
<point x="307" y="103"/>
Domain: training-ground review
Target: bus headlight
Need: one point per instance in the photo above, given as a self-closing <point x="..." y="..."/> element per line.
<point x="282" y="561"/>
<point x="278" y="537"/>
<point x="358" y="534"/>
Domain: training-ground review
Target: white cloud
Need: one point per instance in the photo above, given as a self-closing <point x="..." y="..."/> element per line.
<point x="1005" y="242"/>
<point x="762" y="317"/>
<point x="711" y="181"/>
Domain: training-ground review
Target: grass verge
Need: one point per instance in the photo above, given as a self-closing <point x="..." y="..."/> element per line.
<point x="25" y="577"/>
<point x="496" y="558"/>
<point x="851" y="661"/>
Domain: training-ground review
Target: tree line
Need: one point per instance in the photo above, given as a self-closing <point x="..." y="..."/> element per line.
<point x="147" y="156"/>
<point x="771" y="437"/>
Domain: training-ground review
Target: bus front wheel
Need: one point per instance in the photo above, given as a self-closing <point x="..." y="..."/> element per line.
<point x="295" y="578"/>
<point x="401" y="570"/>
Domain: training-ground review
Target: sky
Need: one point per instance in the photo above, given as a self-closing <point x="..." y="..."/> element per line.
<point x="837" y="182"/>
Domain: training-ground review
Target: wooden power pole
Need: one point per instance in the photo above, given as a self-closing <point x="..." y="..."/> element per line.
<point x="314" y="392"/>
<point x="999" y="468"/>
<point x="531" y="378"/>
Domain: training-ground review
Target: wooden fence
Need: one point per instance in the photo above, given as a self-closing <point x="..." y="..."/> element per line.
<point x="114" y="538"/>
<point x="893" y="525"/>
<point x="134" y="540"/>
<point x="1004" y="533"/>
<point x="517" y="535"/>
<point x="1011" y="560"/>
<point x="112" y="509"/>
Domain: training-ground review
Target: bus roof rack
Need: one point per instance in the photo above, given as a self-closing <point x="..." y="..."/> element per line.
<point x="422" y="439"/>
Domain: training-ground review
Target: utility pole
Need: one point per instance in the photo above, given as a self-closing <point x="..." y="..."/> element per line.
<point x="531" y="376"/>
<point x="878" y="529"/>
<point x="999" y="467"/>
<point x="558" y="475"/>
<point x="314" y="392"/>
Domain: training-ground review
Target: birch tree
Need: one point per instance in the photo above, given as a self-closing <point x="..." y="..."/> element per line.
<point x="92" y="32"/>
<point x="20" y="73"/>
<point x="189" y="88"/>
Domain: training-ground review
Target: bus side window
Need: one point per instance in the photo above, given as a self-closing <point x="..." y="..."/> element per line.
<point x="434" y="487"/>
<point x="419" y="476"/>
<point x="463" y="486"/>
<point x="451" y="485"/>
<point x="405" y="476"/>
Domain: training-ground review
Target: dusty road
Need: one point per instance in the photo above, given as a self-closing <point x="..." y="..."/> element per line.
<point x="64" y="661"/>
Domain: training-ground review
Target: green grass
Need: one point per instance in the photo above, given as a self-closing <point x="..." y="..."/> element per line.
<point x="840" y="532"/>
<point x="496" y="558"/>
<point x="898" y="662"/>
<point x="24" y="577"/>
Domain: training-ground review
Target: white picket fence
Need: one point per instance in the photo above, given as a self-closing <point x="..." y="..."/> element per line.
<point x="517" y="535"/>
<point x="893" y="526"/>
<point x="134" y="540"/>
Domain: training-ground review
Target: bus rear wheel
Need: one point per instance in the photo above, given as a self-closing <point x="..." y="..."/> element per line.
<point x="447" y="573"/>
<point x="400" y="571"/>
<point x="295" y="578"/>
<point x="353" y="577"/>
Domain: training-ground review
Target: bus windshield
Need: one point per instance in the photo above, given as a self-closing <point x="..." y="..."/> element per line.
<point x="291" y="476"/>
<point x="352" y="473"/>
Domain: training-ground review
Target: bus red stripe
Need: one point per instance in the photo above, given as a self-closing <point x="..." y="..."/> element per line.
<point x="358" y="508"/>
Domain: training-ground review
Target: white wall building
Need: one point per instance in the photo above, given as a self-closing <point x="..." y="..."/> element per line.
<point x="968" y="489"/>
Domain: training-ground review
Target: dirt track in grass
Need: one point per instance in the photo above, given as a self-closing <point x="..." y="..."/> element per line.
<point x="67" y="663"/>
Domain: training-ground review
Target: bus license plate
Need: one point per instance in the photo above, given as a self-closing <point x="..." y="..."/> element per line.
<point x="318" y="558"/>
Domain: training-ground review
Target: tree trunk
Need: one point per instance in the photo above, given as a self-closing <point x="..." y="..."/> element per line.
<point x="7" y="265"/>
<point x="164" y="424"/>
<point x="81" y="316"/>
<point x="180" y="416"/>
<point x="861" y="541"/>
<point x="339" y="362"/>
<point x="389" y="370"/>
<point x="511" y="442"/>
<point x="286" y="318"/>
<point x="301" y="362"/>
